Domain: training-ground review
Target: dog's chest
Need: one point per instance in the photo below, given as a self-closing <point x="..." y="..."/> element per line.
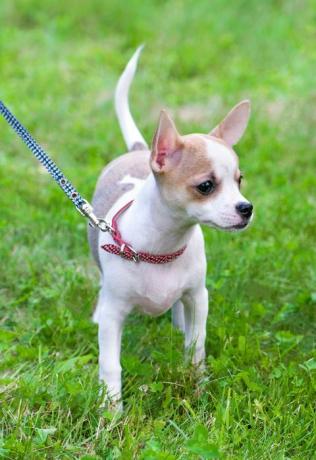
<point x="155" y="293"/>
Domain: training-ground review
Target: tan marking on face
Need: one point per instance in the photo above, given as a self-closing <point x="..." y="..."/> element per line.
<point x="194" y="167"/>
<point x="194" y="161"/>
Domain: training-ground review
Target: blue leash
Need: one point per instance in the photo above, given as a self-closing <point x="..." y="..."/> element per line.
<point x="82" y="205"/>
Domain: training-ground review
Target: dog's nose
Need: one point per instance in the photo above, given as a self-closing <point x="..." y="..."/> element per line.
<point x="244" y="209"/>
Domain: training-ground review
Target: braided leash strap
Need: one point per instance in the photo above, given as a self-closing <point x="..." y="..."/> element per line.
<point x="42" y="157"/>
<point x="81" y="204"/>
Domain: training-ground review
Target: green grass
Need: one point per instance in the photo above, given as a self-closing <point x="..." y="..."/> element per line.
<point x="59" y="64"/>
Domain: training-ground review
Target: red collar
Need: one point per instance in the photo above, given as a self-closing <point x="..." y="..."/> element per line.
<point x="123" y="249"/>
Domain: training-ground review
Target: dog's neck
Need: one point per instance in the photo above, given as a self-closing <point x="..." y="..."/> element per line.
<point x="151" y="225"/>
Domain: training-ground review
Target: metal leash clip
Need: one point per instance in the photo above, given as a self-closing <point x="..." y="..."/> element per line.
<point x="87" y="210"/>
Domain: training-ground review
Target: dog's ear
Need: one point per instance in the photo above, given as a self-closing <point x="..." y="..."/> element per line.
<point x="166" y="145"/>
<point x="234" y="124"/>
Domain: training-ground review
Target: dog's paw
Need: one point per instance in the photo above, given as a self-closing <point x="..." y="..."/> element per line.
<point x="201" y="368"/>
<point x="111" y="405"/>
<point x="115" y="407"/>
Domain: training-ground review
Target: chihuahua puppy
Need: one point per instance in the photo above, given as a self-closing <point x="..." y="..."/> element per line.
<point x="154" y="257"/>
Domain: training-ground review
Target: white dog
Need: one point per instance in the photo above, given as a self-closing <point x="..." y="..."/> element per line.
<point x="154" y="258"/>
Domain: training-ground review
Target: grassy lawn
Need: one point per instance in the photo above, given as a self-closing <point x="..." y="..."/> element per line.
<point x="59" y="64"/>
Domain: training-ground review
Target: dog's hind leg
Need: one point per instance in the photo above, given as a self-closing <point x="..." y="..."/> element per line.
<point x="178" y="316"/>
<point x="95" y="314"/>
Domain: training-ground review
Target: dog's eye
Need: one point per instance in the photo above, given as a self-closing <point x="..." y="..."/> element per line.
<point x="206" y="187"/>
<point x="240" y="179"/>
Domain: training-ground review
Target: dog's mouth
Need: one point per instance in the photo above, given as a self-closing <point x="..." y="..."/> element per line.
<point x="240" y="226"/>
<point x="231" y="228"/>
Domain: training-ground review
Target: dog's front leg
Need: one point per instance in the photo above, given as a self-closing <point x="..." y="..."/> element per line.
<point x="111" y="315"/>
<point x="195" y="314"/>
<point x="178" y="316"/>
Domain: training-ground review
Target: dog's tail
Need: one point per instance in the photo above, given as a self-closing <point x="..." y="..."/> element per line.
<point x="131" y="133"/>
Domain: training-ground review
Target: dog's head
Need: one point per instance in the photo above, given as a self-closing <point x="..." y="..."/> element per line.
<point x="198" y="174"/>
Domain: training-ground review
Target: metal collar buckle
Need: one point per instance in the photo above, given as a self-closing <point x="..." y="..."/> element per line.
<point x="132" y="252"/>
